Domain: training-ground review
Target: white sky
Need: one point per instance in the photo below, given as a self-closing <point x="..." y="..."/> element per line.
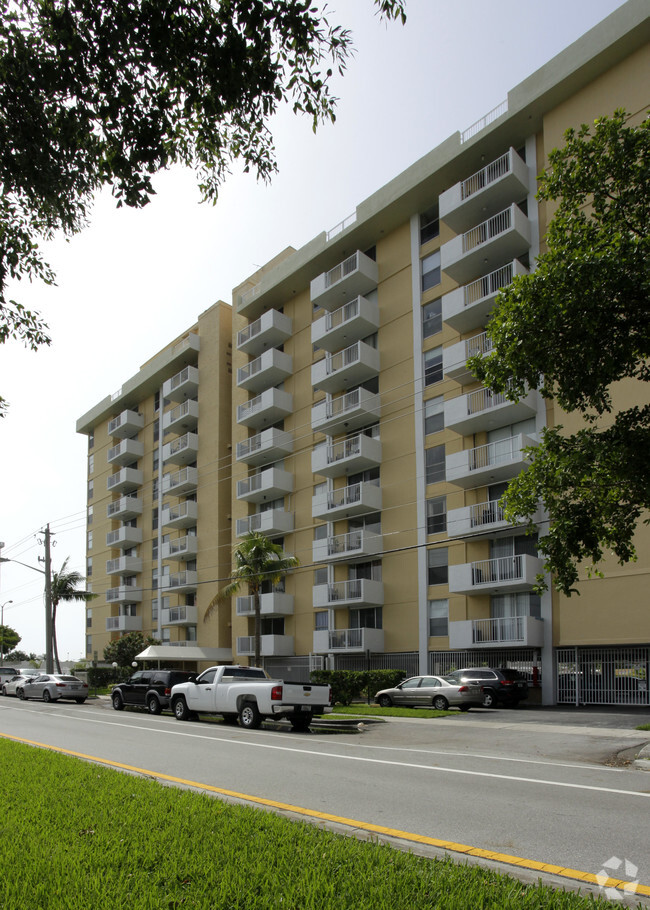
<point x="135" y="280"/>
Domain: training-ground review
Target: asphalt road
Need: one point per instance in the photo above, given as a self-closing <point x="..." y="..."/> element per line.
<point x="548" y="786"/>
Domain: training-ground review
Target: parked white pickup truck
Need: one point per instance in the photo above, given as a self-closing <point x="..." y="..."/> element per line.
<point x="248" y="693"/>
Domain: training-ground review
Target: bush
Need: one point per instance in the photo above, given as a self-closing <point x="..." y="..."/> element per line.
<point x="348" y="685"/>
<point x="100" y="677"/>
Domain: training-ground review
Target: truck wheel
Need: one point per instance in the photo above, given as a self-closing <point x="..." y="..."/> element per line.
<point x="301" y="722"/>
<point x="181" y="711"/>
<point x="249" y="716"/>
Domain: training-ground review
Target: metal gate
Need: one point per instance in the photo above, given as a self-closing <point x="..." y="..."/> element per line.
<point x="522" y="659"/>
<point x="603" y="676"/>
<point x="404" y="660"/>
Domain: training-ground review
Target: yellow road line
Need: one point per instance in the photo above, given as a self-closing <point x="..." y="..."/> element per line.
<point x="451" y="846"/>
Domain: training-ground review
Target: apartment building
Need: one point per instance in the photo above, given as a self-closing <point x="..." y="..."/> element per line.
<point x="366" y="448"/>
<point x="361" y="442"/>
<point x="152" y="545"/>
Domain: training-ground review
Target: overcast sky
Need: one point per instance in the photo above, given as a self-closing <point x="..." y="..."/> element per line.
<point x="132" y="281"/>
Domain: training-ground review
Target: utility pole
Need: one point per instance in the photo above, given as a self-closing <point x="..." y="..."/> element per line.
<point x="49" y="663"/>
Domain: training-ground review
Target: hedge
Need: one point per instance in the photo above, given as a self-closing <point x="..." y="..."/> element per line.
<point x="348" y="685"/>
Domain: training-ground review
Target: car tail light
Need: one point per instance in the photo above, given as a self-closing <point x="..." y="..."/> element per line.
<point x="276" y="693"/>
<point x="168" y="691"/>
<point x="464" y="689"/>
<point x="60" y="685"/>
<point x="507" y="682"/>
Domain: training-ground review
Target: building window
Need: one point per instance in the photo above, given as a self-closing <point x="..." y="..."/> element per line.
<point x="89" y="618"/>
<point x="90" y="540"/>
<point x="320" y="576"/>
<point x="91" y="489"/>
<point x="434" y="460"/>
<point x="91" y="464"/>
<point x="90" y="515"/>
<point x="156" y="430"/>
<point x="89" y="567"/>
<point x="156" y="459"/>
<point x="368" y="618"/>
<point x="432" y="366"/>
<point x="272" y="625"/>
<point x="320" y="532"/>
<point x="431" y="270"/>
<point x="437" y="515"/>
<point x="154" y="520"/>
<point x="438" y="617"/>
<point x="156" y="402"/>
<point x="89" y="644"/>
<point x="437" y="572"/>
<point x="432" y="318"/>
<point x="434" y="415"/>
<point x="320" y="620"/>
<point x="429" y="225"/>
<point x="190" y="633"/>
<point x="91" y="439"/>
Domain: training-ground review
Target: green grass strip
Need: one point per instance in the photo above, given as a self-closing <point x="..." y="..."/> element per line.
<point x="377" y="711"/>
<point x="77" y="835"/>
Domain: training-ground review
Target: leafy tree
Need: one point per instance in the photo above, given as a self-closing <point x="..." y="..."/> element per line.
<point x="123" y="650"/>
<point x="9" y="638"/>
<point x="572" y="328"/>
<point x="257" y="560"/>
<point x="20" y="657"/>
<point x="65" y="587"/>
<point x="100" y="93"/>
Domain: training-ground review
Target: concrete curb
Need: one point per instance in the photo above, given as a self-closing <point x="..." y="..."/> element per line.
<point x="642" y="761"/>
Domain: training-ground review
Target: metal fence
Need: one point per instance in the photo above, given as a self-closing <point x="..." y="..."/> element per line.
<point x="603" y="676"/>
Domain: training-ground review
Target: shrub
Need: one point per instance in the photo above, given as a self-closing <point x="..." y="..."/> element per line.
<point x="348" y="685"/>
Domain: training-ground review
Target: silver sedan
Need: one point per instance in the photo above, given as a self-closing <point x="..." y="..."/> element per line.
<point x="52" y="687"/>
<point x="437" y="692"/>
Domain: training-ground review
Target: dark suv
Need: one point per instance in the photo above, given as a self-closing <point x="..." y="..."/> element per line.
<point x="500" y="687"/>
<point x="149" y="689"/>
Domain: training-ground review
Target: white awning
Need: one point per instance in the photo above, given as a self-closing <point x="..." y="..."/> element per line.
<point x="174" y="652"/>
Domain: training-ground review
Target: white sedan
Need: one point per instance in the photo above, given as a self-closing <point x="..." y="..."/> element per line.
<point x="9" y="687"/>
<point x="52" y="687"/>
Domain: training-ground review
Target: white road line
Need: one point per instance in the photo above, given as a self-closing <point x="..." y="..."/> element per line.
<point x="376" y="761"/>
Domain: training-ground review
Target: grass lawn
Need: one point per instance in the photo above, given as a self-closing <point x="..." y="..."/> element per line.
<point x="84" y="836"/>
<point x="375" y="711"/>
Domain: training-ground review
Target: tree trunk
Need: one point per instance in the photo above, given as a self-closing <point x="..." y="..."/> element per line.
<point x="258" y="626"/>
<point x="55" y="647"/>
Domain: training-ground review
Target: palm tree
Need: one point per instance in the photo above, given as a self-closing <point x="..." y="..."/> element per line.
<point x="257" y="560"/>
<point x="64" y="587"/>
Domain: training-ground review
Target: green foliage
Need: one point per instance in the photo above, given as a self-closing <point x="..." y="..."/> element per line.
<point x="102" y="677"/>
<point x="21" y="657"/>
<point x="123" y="650"/>
<point x="98" y="93"/>
<point x="65" y="589"/>
<point x="572" y="328"/>
<point x="9" y="638"/>
<point x="348" y="685"/>
<point x="129" y="842"/>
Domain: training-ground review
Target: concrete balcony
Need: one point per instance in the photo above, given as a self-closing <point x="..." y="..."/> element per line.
<point x="345" y="369"/>
<point x="503" y="575"/>
<point x="182" y="548"/>
<point x="269" y="331"/>
<point x="268" y="446"/>
<point x="124" y="538"/>
<point x="183" y="515"/>
<point x="468" y="307"/>
<point x="182" y="418"/>
<point x="349" y="641"/>
<point x="124" y="508"/>
<point x="358" y="453"/>
<point x="346" y="502"/>
<point x="183" y="385"/>
<point x="519" y="631"/>
<point x="351" y="322"/>
<point x="180" y="616"/>
<point x="491" y="189"/>
<point x="124" y="594"/>
<point x="455" y="357"/>
<point x="124" y="624"/>
<point x="492" y="463"/>
<point x="275" y="603"/>
<point x="183" y="450"/>
<point x="126" y="480"/>
<point x="268" y="408"/>
<point x="180" y="483"/>
<point x="503" y="237"/>
<point x="270" y="645"/>
<point x="486" y="410"/>
<point x="357" y="592"/>
<point x="273" y="523"/>
<point x="269" y="369"/>
<point x="126" y="424"/>
<point x="125" y="452"/>
<point x="483" y="519"/>
<point x="354" y="546"/>
<point x="124" y="565"/>
<point x="185" y="582"/>
<point x="356" y="409"/>
<point x="269" y="484"/>
<point x="357" y="275"/>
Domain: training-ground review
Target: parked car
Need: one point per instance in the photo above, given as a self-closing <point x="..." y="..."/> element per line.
<point x="10" y="685"/>
<point x="150" y="689"/>
<point x="7" y="673"/>
<point x="440" y="692"/>
<point x="52" y="687"/>
<point x="500" y="687"/>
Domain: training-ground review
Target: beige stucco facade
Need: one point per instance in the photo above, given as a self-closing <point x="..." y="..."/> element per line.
<point x="361" y="443"/>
